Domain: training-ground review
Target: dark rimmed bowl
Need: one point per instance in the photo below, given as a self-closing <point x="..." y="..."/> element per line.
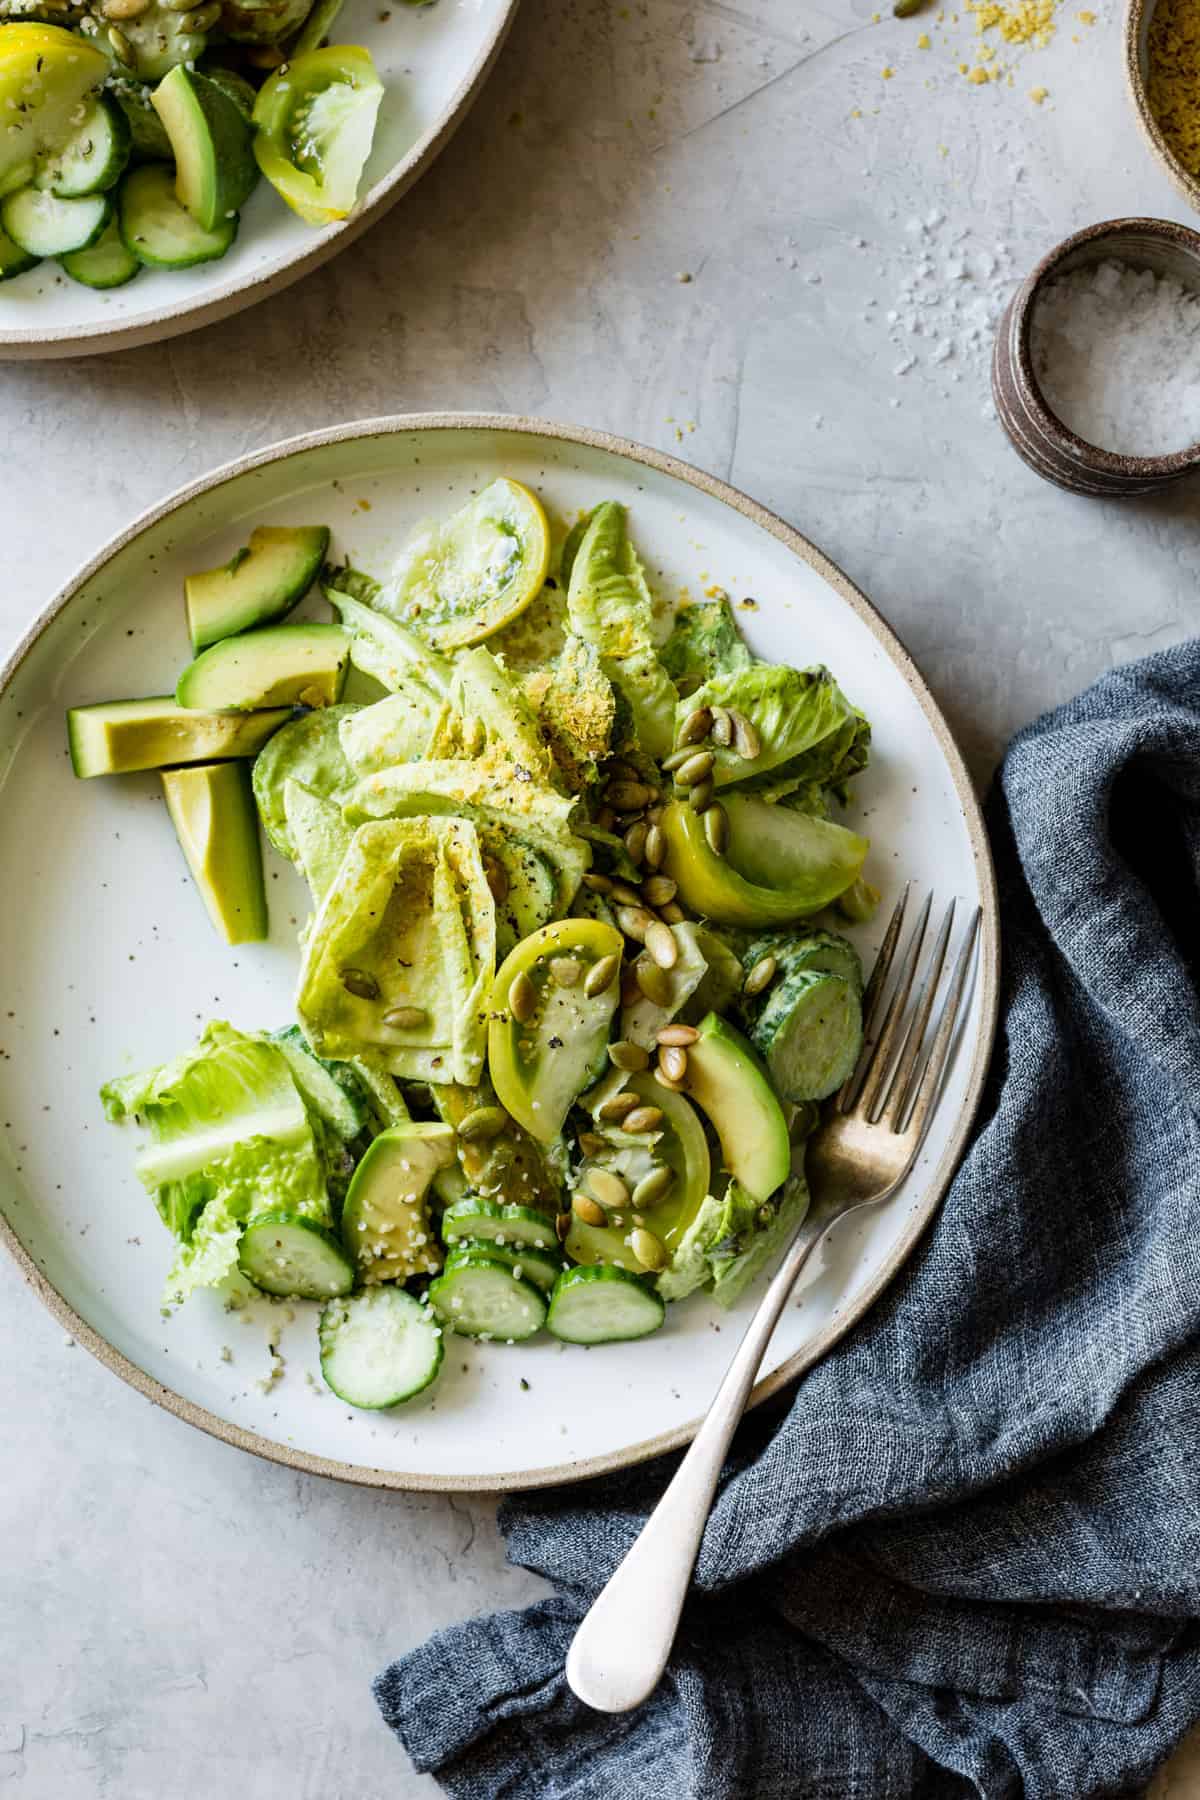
<point x="1037" y="434"/>
<point x="1138" y="20"/>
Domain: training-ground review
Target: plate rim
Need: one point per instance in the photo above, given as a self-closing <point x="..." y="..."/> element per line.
<point x="32" y="344"/>
<point x="559" y="1474"/>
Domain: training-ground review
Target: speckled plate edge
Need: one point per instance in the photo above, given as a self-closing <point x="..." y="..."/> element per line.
<point x="172" y="321"/>
<point x="989" y="966"/>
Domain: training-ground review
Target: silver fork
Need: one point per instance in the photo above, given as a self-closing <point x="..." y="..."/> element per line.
<point x="865" y="1146"/>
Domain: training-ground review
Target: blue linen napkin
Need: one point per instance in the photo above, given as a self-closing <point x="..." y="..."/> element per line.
<point x="963" y="1557"/>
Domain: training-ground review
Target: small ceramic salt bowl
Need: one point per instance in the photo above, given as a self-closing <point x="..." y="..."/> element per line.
<point x="1138" y="20"/>
<point x="1037" y="434"/>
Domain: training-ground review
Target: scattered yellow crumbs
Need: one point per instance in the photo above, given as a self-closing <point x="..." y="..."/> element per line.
<point x="1173" y="77"/>
<point x="1086" y="18"/>
<point x="923" y="42"/>
<point x="856" y="113"/>
<point x="978" y="76"/>
<point x="887" y="73"/>
<point x="1026" y="22"/>
<point x="1038" y="94"/>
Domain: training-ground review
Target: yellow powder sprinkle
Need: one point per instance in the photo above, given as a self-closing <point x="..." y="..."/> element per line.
<point x="923" y="42"/>
<point x="943" y="149"/>
<point x="978" y="76"/>
<point x="1038" y="94"/>
<point x="964" y="68"/>
<point x="1025" y="22"/>
<point x="857" y="113"/>
<point x="888" y="73"/>
<point x="1086" y="18"/>
<point x="1173" y="80"/>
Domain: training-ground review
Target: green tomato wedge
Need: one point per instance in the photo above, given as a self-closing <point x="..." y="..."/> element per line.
<point x="680" y="1146"/>
<point x="541" y="1061"/>
<point x="46" y="73"/>
<point x="779" y="866"/>
<point x="315" y="120"/>
<point x="469" y="575"/>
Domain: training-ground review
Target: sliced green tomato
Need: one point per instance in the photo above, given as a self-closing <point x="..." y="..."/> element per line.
<point x="276" y="666"/>
<point x="378" y="1347"/>
<point x="215" y="171"/>
<point x="681" y="1146"/>
<point x="540" y="1065"/>
<point x="486" y="1223"/>
<point x="779" y="867"/>
<point x="316" y="120"/>
<point x="13" y="260"/>
<point x="46" y="77"/>
<point x="92" y="158"/>
<point x="529" y="1264"/>
<point x="285" y="1253"/>
<point x="387" y="652"/>
<point x="482" y="1298"/>
<point x="603" y="1306"/>
<point x="107" y="263"/>
<point x="161" y="232"/>
<point x="473" y="573"/>
<point x="44" y="225"/>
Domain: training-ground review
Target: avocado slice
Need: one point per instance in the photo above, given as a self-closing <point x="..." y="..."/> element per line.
<point x="211" y="139"/>
<point x="386" y="1228"/>
<point x="727" y="1081"/>
<point x="279" y="665"/>
<point x="262" y="583"/>
<point x="213" y="812"/>
<point x="120" y="737"/>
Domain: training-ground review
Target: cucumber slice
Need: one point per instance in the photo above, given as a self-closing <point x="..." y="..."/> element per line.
<point x="14" y="260"/>
<point x="276" y="666"/>
<point x="161" y="232"/>
<point x="533" y="1265"/>
<point x="487" y="1222"/>
<point x="379" y="1347"/>
<point x="44" y="225"/>
<point x="283" y="1253"/>
<point x="809" y="1033"/>
<point x="603" y="1305"/>
<point x="92" y="158"/>
<point x="105" y="264"/>
<point x="481" y="1297"/>
<point x="331" y="1089"/>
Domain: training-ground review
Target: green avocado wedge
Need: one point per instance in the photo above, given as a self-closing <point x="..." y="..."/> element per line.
<point x="386" y="1228"/>
<point x="212" y="140"/>
<point x="281" y="665"/>
<point x="729" y="1084"/>
<point x="121" y="737"/>
<point x="261" y="584"/>
<point x="215" y="819"/>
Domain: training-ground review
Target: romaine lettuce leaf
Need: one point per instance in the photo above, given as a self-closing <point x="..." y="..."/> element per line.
<point x="379" y="646"/>
<point x="396" y="730"/>
<point x="575" y="707"/>
<point x="704" y="642"/>
<point x="739" y="1257"/>
<point x="320" y="834"/>
<point x="807" y="729"/>
<point x="610" y="606"/>
<point x="489" y="712"/>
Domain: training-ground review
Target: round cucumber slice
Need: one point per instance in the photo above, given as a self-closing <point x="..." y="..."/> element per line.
<point x="603" y="1305"/>
<point x="538" y="1266"/>
<point x="105" y="264"/>
<point x="810" y="1033"/>
<point x="379" y="1347"/>
<point x="161" y="232"/>
<point x="483" y="1298"/>
<point x="13" y="260"/>
<point x="44" y="225"/>
<point x="519" y="1226"/>
<point x="282" y="1253"/>
<point x="92" y="158"/>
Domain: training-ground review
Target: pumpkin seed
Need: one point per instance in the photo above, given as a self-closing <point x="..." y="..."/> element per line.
<point x="761" y="975"/>
<point x="677" y="1036"/>
<point x="497" y="877"/>
<point x="601" y="975"/>
<point x="624" y="894"/>
<point x="660" y="942"/>
<point x="631" y="993"/>
<point x="716" y="828"/>
<point x="522" y="998"/>
<point x="700" y="798"/>
<point x="672" y="913"/>
<point x="359" y="983"/>
<point x="566" y="970"/>
<point x="746" y="740"/>
<point x="607" y="1188"/>
<point x="654" y="813"/>
<point x="654" y="982"/>
<point x="635" y="921"/>
<point x="406" y="1018"/>
<point x="621" y="771"/>
<point x="264" y="56"/>
<point x="121" y="46"/>
<point x="627" y="796"/>
<point x="673" y="1061"/>
<point x="658" y="890"/>
<point x="695" y="727"/>
<point x="722" y="727"/>
<point x="203" y="19"/>
<point x="562" y="1227"/>
<point x="599" y="884"/>
<point x="672" y="1087"/>
<point x="696" y="768"/>
<point x="606" y="818"/>
<point x="677" y="759"/>
<point x="615" y="1109"/>
<point x="629" y="1057"/>
<point x="643" y="1118"/>
<point x="650" y="1251"/>
<point x="635" y="840"/>
<point x="483" y="1122"/>
<point x="124" y="9"/>
<point x="585" y="1208"/>
<point x="592" y="1144"/>
<point x="655" y="1186"/>
<point x="654" y="851"/>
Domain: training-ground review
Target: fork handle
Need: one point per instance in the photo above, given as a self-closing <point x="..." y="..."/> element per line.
<point x="621" y="1649"/>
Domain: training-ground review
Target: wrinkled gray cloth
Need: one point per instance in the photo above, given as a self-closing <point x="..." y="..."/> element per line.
<point x="963" y="1557"/>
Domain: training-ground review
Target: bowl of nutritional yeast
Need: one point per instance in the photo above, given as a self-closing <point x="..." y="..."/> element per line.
<point x="1162" y="65"/>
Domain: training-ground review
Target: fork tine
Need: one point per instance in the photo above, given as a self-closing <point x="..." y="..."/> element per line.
<point x="881" y="1059"/>
<point x="872" y="995"/>
<point x="900" y="1092"/>
<point x="931" y="1076"/>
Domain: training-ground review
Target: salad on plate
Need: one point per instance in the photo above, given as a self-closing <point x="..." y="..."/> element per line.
<point x="573" y="985"/>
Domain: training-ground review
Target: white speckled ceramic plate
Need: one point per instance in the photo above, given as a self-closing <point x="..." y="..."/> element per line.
<point x="107" y="962"/>
<point x="432" y="60"/>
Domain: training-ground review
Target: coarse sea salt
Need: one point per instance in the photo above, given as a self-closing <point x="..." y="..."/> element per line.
<point x="1116" y="353"/>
